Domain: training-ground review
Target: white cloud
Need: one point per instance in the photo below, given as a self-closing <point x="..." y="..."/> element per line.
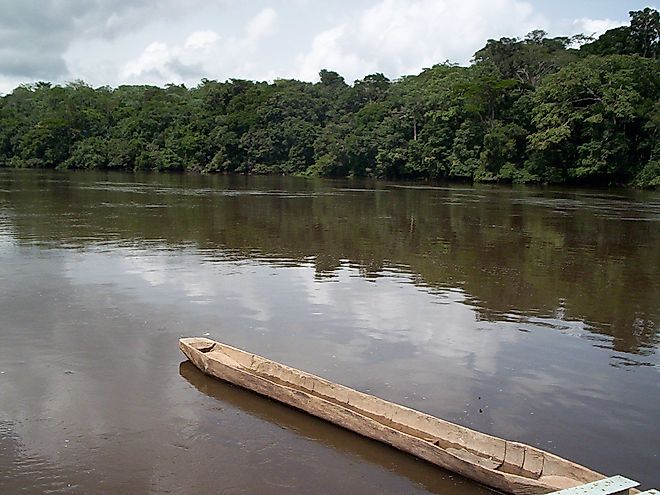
<point x="8" y="83"/>
<point x="595" y="27"/>
<point x="403" y="36"/>
<point x="328" y="51"/>
<point x="201" y="39"/>
<point x="35" y="35"/>
<point x="203" y="53"/>
<point x="155" y="57"/>
<point x="261" y="25"/>
<point x="139" y="41"/>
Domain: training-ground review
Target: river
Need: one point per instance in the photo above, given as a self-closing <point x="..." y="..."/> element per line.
<point x="529" y="313"/>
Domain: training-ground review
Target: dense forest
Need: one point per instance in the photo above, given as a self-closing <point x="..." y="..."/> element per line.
<point x="552" y="110"/>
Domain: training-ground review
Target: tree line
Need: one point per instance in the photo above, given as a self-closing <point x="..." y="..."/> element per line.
<point x="550" y="110"/>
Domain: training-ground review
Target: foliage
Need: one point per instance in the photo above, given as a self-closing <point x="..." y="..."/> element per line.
<point x="641" y="38"/>
<point x="591" y="119"/>
<point x="536" y="109"/>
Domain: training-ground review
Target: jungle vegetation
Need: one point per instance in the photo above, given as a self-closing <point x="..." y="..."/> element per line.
<point x="552" y="110"/>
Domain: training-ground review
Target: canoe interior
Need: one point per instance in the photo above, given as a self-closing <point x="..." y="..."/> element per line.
<point x="514" y="462"/>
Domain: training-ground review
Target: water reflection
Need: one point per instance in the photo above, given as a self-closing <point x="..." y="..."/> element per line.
<point x="19" y="469"/>
<point x="433" y="479"/>
<point x="526" y="313"/>
<point x="590" y="257"/>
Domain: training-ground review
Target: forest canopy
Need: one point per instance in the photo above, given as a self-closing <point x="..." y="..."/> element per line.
<point x="550" y="110"/>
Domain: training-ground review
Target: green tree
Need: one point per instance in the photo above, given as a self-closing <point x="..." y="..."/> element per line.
<point x="592" y="119"/>
<point x="641" y="37"/>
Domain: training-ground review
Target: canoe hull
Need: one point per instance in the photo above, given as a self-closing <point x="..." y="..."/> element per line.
<point x="333" y="403"/>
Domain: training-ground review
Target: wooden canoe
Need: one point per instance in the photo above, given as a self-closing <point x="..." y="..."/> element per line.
<point x="504" y="465"/>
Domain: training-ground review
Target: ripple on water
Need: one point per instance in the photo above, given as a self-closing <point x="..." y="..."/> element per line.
<point x="22" y="470"/>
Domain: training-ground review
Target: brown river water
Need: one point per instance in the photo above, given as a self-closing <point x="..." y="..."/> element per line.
<point x="529" y="313"/>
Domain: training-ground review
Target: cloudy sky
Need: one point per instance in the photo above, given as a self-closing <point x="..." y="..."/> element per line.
<point x="143" y="41"/>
